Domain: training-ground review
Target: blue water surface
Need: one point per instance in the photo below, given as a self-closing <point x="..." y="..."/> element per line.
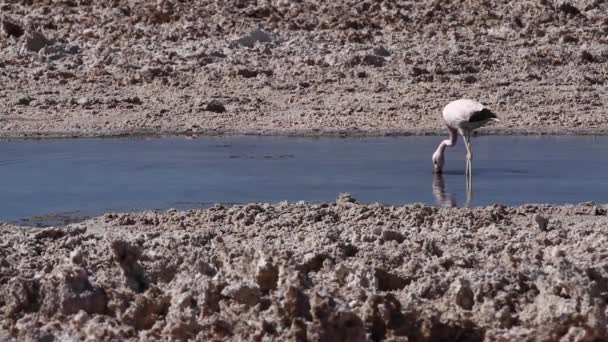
<point x="83" y="177"/>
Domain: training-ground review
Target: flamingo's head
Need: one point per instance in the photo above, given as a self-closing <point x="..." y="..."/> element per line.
<point x="437" y="162"/>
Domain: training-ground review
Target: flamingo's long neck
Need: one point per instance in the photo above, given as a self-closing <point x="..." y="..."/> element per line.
<point x="451" y="141"/>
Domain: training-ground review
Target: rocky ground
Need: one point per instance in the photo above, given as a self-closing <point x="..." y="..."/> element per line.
<point x="81" y="67"/>
<point x="340" y="271"/>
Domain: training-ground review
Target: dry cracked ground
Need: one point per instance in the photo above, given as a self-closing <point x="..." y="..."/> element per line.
<point x="310" y="67"/>
<point x="341" y="271"/>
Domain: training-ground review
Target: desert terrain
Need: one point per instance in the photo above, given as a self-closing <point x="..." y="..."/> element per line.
<point x="85" y="68"/>
<point x="338" y="271"/>
<point x="341" y="271"/>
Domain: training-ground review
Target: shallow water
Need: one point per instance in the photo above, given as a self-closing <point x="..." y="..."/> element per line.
<point x="63" y="180"/>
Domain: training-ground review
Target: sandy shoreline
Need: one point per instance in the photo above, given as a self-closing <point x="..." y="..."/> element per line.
<point x="296" y="271"/>
<point x="295" y="133"/>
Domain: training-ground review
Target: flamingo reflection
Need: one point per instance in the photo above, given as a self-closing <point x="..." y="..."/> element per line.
<point x="445" y="199"/>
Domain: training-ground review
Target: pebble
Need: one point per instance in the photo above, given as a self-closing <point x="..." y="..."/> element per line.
<point x="373" y="60"/>
<point x="215" y="106"/>
<point x="541" y="222"/>
<point x="381" y="51"/>
<point x="255" y="36"/>
<point x="392" y="235"/>
<point x="11" y="28"/>
<point x="266" y="274"/>
<point x="36" y="41"/>
<point x="417" y="71"/>
<point x="83" y="101"/>
<point x="244" y="293"/>
<point x="597" y="211"/>
<point x="464" y="296"/>
<point x="25" y="101"/>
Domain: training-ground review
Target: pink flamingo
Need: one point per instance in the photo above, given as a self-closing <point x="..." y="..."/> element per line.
<point x="462" y="116"/>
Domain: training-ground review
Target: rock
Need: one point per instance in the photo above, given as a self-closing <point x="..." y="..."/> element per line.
<point x="215" y="106"/>
<point x="296" y="303"/>
<point x="25" y="101"/>
<point x="385" y="281"/>
<point x="59" y="51"/>
<point x="345" y="198"/>
<point x="312" y="262"/>
<point x="341" y="272"/>
<point x="266" y="274"/>
<point x="80" y="318"/>
<point x="347" y="250"/>
<point x="587" y="57"/>
<point x="35" y="41"/>
<point x="392" y="235"/>
<point x="361" y="74"/>
<point x="417" y="71"/>
<point x="83" y="101"/>
<point x="133" y="100"/>
<point x="463" y="295"/>
<point x="64" y="74"/>
<point x="504" y="316"/>
<point x="244" y="293"/>
<point x="150" y="72"/>
<point x="381" y="51"/>
<point x="76" y="257"/>
<point x="557" y="253"/>
<point x="23" y="296"/>
<point x="470" y="79"/>
<point x="127" y="256"/>
<point x="69" y="291"/>
<point x="567" y="38"/>
<point x="541" y="222"/>
<point x="89" y="33"/>
<point x="145" y="309"/>
<point x="334" y="322"/>
<point x="11" y="28"/>
<point x="247" y="73"/>
<point x="57" y="233"/>
<point x="382" y="315"/>
<point x="373" y="60"/>
<point x="569" y="9"/>
<point x="217" y="54"/>
<point x="255" y="36"/>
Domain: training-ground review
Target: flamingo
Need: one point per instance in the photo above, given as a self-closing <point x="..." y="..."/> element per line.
<point x="462" y="117"/>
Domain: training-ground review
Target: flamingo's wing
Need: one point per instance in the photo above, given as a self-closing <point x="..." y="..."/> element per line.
<point x="481" y="115"/>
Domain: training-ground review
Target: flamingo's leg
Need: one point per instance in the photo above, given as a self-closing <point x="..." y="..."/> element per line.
<point x="467" y="144"/>
<point x="469" y="168"/>
<point x="469" y="186"/>
<point x="470" y="154"/>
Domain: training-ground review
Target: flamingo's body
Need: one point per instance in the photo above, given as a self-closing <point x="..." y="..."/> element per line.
<point x="461" y="117"/>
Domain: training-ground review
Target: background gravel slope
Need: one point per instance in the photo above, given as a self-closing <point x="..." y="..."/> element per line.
<point x="308" y="67"/>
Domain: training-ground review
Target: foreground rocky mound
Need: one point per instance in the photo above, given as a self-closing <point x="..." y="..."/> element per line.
<point x="339" y="271"/>
<point x="81" y="67"/>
